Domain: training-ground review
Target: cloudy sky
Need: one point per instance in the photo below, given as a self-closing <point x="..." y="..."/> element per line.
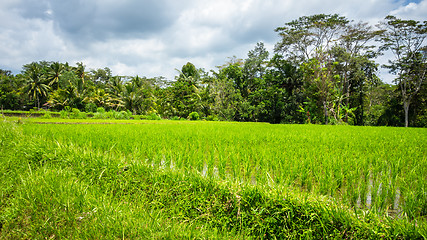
<point x="154" y="37"/>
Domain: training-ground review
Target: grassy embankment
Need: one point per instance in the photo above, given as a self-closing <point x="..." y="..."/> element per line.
<point x="211" y="180"/>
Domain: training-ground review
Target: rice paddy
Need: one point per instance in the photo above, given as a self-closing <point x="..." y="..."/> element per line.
<point x="376" y="168"/>
<point x="368" y="170"/>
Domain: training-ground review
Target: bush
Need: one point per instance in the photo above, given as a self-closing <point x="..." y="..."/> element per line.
<point x="118" y="115"/>
<point x="109" y="114"/>
<point x="153" y="116"/>
<point x="100" y="110"/>
<point x="128" y="114"/>
<point x="99" y="115"/>
<point x="212" y="118"/>
<point x="64" y="114"/>
<point x="75" y="113"/>
<point x="82" y="115"/>
<point x="90" y="107"/>
<point x="175" y="118"/>
<point x="47" y="115"/>
<point x="194" y="116"/>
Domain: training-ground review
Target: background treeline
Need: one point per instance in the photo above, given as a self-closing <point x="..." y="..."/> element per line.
<point x="323" y="70"/>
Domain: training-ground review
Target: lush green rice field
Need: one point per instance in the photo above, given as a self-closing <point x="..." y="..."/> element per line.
<point x="382" y="168"/>
<point x="375" y="170"/>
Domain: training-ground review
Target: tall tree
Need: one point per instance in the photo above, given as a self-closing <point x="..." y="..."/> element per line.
<point x="115" y="88"/>
<point x="283" y="86"/>
<point x="185" y="91"/>
<point x="308" y="41"/>
<point x="37" y="86"/>
<point x="353" y="53"/>
<point x="11" y="96"/>
<point x="224" y="89"/>
<point x="255" y="66"/>
<point x="132" y="97"/>
<point x="72" y="92"/>
<point x="405" y="39"/>
<point x="101" y="76"/>
<point x="55" y="71"/>
<point x="309" y="36"/>
<point x="80" y="71"/>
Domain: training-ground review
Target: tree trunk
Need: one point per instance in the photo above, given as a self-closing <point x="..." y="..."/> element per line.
<point x="325" y="108"/>
<point x="406" y="109"/>
<point x="347" y="93"/>
<point x="347" y="101"/>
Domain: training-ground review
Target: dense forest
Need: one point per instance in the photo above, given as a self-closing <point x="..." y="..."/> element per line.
<point x="323" y="70"/>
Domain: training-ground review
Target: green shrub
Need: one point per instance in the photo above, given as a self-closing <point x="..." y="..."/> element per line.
<point x="153" y="116"/>
<point x="100" y="110"/>
<point x="47" y="115"/>
<point x="109" y="114"/>
<point x="194" y="116"/>
<point x="99" y="115"/>
<point x="121" y="115"/>
<point x="90" y="107"/>
<point x="118" y="115"/>
<point x="64" y="114"/>
<point x="75" y="113"/>
<point x="82" y="115"/>
<point x="124" y="115"/>
<point x="212" y="118"/>
<point x="128" y="114"/>
<point x="175" y="118"/>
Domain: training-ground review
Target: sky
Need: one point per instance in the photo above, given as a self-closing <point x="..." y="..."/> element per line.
<point x="153" y="38"/>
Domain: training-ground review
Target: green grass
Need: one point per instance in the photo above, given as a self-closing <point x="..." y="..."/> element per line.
<point x="172" y="179"/>
<point x="347" y="163"/>
<point x="32" y="112"/>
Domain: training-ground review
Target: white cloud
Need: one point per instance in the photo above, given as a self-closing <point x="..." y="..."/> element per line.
<point x="414" y="11"/>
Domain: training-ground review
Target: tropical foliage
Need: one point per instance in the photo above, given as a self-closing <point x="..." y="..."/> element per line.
<point x="323" y="70"/>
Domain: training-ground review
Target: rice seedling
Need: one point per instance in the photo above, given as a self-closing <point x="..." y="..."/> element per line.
<point x="166" y="164"/>
<point x="338" y="161"/>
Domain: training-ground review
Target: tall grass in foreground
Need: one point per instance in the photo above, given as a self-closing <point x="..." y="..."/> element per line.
<point x="381" y="169"/>
<point x="55" y="190"/>
<point x="60" y="189"/>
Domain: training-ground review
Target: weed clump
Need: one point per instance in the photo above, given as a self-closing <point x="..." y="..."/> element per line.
<point x="194" y="116"/>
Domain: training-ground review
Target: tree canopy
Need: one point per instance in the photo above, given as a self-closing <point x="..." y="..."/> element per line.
<point x="323" y="70"/>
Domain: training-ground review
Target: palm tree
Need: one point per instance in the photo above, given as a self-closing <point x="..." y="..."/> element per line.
<point x="55" y="71"/>
<point x="137" y="81"/>
<point x="103" y="99"/>
<point x="80" y="71"/>
<point x="115" y="85"/>
<point x="132" y="98"/>
<point x="58" y="99"/>
<point x="36" y="85"/>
